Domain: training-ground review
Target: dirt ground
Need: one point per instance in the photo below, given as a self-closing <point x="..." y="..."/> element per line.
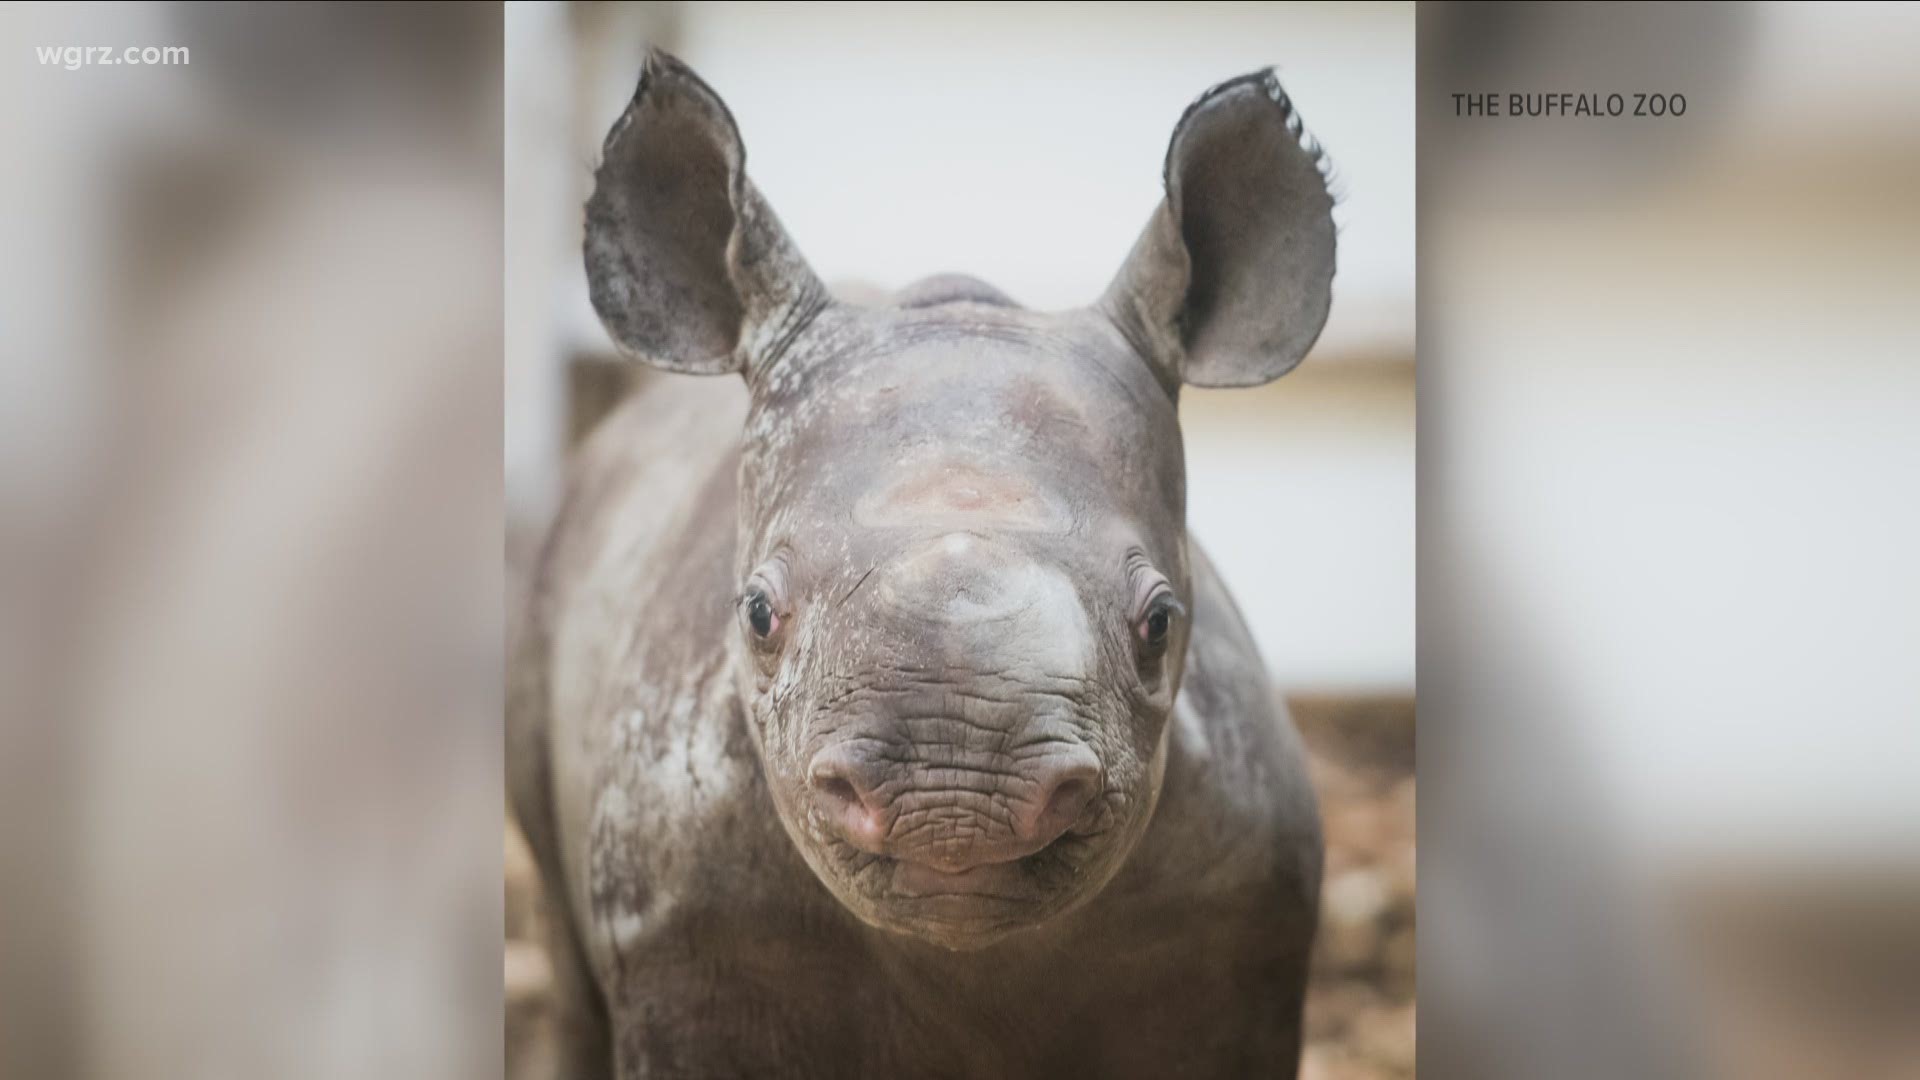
<point x="1360" y="1006"/>
<point x="1360" y="1009"/>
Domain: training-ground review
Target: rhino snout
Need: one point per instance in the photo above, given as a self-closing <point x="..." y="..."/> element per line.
<point x="952" y="819"/>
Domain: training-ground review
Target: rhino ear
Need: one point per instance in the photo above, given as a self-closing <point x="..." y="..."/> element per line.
<point x="1230" y="282"/>
<point x="687" y="267"/>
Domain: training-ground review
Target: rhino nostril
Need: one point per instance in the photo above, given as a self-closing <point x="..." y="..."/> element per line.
<point x="847" y="805"/>
<point x="838" y="789"/>
<point x="1068" y="800"/>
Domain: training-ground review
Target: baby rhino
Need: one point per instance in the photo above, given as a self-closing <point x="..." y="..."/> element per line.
<point x="874" y="714"/>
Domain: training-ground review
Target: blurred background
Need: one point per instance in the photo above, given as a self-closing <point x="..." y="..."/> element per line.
<point x="1669" y="603"/>
<point x="1023" y="143"/>
<point x="250" y="506"/>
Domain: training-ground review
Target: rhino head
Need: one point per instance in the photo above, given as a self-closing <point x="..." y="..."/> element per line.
<point x="962" y="563"/>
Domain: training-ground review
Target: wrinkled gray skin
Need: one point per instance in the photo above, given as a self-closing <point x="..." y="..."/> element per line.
<point x="874" y="714"/>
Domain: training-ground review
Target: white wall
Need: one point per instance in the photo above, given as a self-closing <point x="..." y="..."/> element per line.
<point x="1023" y="142"/>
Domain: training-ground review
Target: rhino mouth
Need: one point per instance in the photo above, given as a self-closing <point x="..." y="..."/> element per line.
<point x="959" y="878"/>
<point x="1022" y="879"/>
<point x="973" y="907"/>
<point x="922" y="898"/>
<point x="989" y="881"/>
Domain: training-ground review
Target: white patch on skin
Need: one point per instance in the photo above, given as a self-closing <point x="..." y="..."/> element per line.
<point x="693" y="767"/>
<point x="612" y="804"/>
<point x="1189" y="729"/>
<point x="612" y="811"/>
<point x="626" y="929"/>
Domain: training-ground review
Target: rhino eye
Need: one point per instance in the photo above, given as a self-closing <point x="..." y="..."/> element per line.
<point x="760" y="615"/>
<point x="1157" y="624"/>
